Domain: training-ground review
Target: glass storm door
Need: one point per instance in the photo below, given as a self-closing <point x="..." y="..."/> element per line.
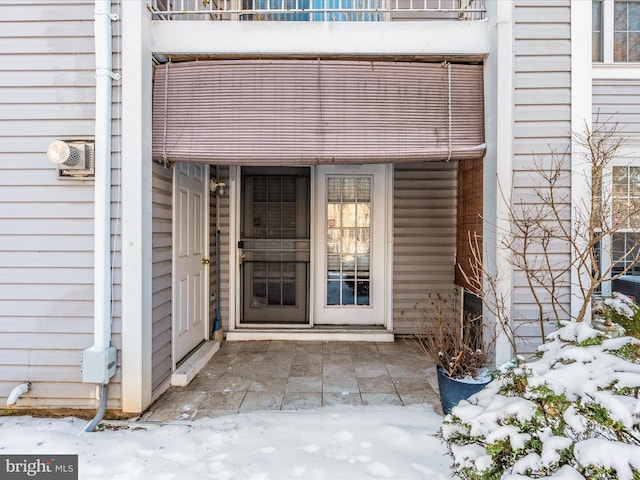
<point x="274" y="246"/>
<point x="350" y="245"/>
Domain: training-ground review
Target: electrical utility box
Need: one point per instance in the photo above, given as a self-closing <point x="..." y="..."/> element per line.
<point x="99" y="365"/>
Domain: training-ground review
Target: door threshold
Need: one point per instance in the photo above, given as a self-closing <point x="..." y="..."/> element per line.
<point x="318" y="334"/>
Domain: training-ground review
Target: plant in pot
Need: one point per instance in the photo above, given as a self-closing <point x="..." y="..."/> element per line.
<point x="453" y="340"/>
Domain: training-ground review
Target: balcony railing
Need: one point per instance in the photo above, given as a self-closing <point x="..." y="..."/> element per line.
<point x="317" y="10"/>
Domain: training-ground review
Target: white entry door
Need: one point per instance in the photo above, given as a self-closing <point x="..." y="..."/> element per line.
<point x="350" y="245"/>
<point x="190" y="257"/>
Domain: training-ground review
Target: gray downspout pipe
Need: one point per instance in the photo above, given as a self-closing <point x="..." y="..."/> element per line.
<point x="102" y="408"/>
<point x="217" y="325"/>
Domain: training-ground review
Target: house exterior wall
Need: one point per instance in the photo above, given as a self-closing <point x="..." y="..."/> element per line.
<point x="541" y="125"/>
<point x="161" y="276"/>
<point x="47" y="92"/>
<point x="162" y="199"/>
<point x="51" y="335"/>
<point x="46" y="225"/>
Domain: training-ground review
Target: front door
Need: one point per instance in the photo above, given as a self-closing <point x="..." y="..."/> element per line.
<point x="350" y="239"/>
<point x="190" y="257"/>
<point x="274" y="246"/>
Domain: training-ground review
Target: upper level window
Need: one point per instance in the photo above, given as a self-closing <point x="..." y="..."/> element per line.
<point x="626" y="40"/>
<point x="596" y="29"/>
<point x="615" y="31"/>
<point x="314" y="10"/>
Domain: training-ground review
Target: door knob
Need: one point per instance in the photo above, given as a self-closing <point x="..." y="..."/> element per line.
<point x="205" y="261"/>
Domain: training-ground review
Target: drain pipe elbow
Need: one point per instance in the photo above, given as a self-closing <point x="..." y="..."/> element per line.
<point x="91" y="426"/>
<point x="16" y="393"/>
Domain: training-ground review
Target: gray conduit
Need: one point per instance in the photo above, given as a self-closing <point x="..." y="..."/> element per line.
<point x="102" y="408"/>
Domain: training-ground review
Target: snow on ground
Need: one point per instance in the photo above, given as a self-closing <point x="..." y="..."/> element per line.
<point x="330" y="443"/>
<point x="354" y="443"/>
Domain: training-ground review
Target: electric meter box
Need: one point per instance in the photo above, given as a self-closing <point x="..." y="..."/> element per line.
<point x="99" y="365"/>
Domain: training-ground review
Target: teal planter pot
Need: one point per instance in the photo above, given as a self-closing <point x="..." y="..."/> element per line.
<point x="452" y="390"/>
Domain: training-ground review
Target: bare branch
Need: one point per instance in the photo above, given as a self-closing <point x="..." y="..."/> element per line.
<point x="580" y="229"/>
<point x="551" y="237"/>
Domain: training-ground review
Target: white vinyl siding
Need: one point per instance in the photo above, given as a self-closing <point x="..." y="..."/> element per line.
<point x="224" y="251"/>
<point x="618" y="102"/>
<point x="542" y="122"/>
<point x="47" y="92"/>
<point x="424" y="231"/>
<point x="161" y="270"/>
<point x="161" y="278"/>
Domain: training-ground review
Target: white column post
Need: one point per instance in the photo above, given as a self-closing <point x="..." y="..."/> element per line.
<point x="581" y="86"/>
<point x="136" y="207"/>
<point x="498" y="167"/>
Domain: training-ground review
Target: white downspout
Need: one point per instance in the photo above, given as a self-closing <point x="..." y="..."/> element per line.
<point x="102" y="231"/>
<point x="99" y="361"/>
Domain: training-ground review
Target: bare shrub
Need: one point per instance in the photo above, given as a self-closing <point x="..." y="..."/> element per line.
<point x="450" y="338"/>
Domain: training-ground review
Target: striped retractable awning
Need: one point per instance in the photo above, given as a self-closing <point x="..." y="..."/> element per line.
<point x="302" y="112"/>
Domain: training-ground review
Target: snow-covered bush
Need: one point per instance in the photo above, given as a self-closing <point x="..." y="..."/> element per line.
<point x="623" y="311"/>
<point x="571" y="414"/>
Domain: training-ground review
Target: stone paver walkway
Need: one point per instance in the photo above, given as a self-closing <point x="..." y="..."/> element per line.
<point x="292" y="375"/>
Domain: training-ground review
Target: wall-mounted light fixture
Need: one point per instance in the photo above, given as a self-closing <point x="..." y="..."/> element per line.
<point x="217" y="187"/>
<point x="74" y="158"/>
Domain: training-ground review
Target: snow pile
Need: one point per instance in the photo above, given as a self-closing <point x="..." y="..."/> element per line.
<point x="621" y="304"/>
<point x="572" y="414"/>
<point x="331" y="443"/>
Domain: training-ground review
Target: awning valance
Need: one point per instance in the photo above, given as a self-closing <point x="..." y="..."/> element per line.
<point x="301" y="112"/>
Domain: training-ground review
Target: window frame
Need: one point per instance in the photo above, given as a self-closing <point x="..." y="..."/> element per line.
<point x="599" y="30"/>
<point x="360" y="225"/>
<point x="607" y="34"/>
<point x="628" y="32"/>
<point x="627" y="157"/>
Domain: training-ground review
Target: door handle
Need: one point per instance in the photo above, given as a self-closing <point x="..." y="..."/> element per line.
<point x="205" y="261"/>
<point x="241" y="255"/>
